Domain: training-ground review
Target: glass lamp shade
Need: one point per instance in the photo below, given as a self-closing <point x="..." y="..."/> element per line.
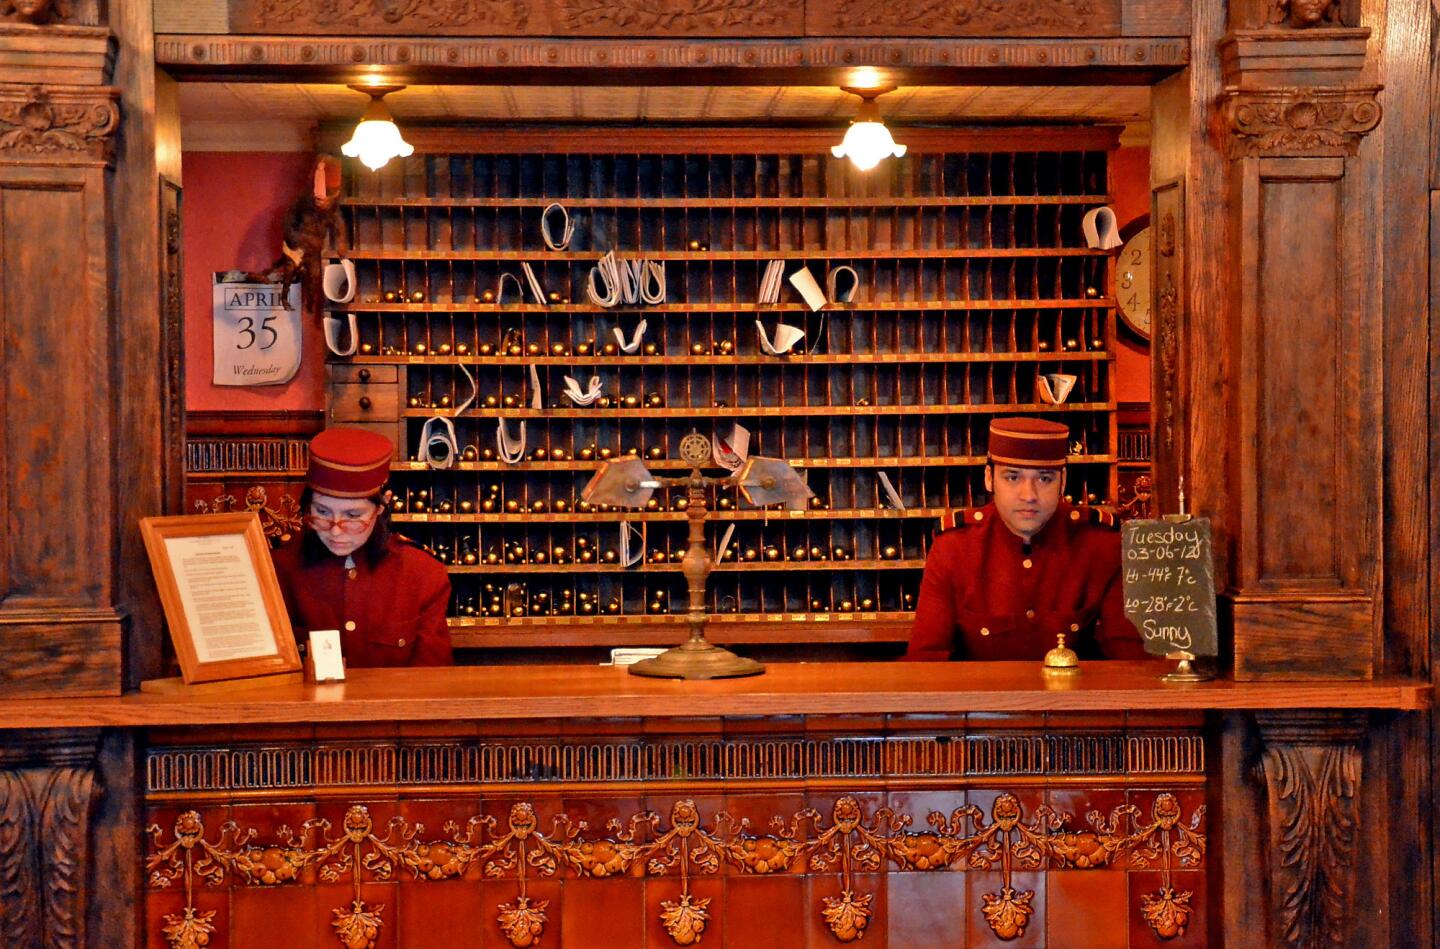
<point x="376" y="139"/>
<point x="867" y="143"/>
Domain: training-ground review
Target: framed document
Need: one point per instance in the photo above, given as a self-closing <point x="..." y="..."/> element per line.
<point x="222" y="601"/>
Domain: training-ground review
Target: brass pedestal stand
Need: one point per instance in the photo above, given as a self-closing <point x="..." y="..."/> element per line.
<point x="629" y="484"/>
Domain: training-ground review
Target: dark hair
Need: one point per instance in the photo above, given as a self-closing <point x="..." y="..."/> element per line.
<point x="375" y="548"/>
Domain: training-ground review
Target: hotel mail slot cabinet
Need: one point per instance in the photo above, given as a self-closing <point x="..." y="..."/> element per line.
<point x="971" y="281"/>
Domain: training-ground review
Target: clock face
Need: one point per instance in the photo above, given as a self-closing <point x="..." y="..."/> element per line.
<point x="1132" y="284"/>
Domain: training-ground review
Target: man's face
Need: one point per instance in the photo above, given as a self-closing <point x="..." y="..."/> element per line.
<point x="1026" y="498"/>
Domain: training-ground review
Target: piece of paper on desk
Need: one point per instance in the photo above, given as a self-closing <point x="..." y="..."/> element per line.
<point x="325" y="655"/>
<point x="629" y="655"/>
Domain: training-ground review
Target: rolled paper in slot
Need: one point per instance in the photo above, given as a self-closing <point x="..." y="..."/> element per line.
<point x="1101" y="231"/>
<point x="332" y="335"/>
<point x="602" y="285"/>
<point x="537" y="398"/>
<point x="474" y="392"/>
<point x="511" y="450"/>
<point x="771" y="282"/>
<point x="438" y="448"/>
<point x="1053" y="388"/>
<point x="339" y="281"/>
<point x="786" y="336"/>
<point x="804" y="281"/>
<point x="652" y="282"/>
<point x="841" y="283"/>
<point x="500" y="288"/>
<point x="724" y="543"/>
<point x="629" y="274"/>
<point x="567" y="227"/>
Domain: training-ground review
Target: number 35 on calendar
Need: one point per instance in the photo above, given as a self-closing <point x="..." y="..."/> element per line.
<point x="257" y="340"/>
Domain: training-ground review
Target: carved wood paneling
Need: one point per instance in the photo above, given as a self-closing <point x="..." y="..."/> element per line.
<point x="636" y="18"/>
<point x="52" y="12"/>
<point x="48" y="794"/>
<point x="1311" y="768"/>
<point x="1167" y="309"/>
<point x="847" y="837"/>
<point x="60" y="630"/>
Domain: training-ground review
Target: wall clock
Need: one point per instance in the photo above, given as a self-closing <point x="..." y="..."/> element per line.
<point x="1132" y="284"/>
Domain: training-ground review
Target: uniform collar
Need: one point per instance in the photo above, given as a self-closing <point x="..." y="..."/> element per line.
<point x="1053" y="534"/>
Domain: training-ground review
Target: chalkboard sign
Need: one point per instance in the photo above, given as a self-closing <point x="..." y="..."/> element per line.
<point x="1169" y="579"/>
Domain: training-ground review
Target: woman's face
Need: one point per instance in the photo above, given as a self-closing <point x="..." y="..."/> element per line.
<point x="334" y="519"/>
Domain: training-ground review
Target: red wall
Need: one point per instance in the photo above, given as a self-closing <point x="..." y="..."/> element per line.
<point x="1130" y="197"/>
<point x="233" y="205"/>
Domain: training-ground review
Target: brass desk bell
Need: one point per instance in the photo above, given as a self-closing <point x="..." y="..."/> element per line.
<point x="1062" y="659"/>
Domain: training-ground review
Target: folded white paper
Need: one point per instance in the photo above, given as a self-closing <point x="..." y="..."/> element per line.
<point x="731" y="451"/>
<point x="841" y="283"/>
<point x="1053" y="388"/>
<point x="567" y="227"/>
<point x="891" y="495"/>
<point x="332" y="335"/>
<point x="511" y="450"/>
<point x="633" y="344"/>
<point x="724" y="543"/>
<point x="631" y="553"/>
<point x="786" y="336"/>
<point x="652" y="282"/>
<point x="500" y="290"/>
<point x="770" y="283"/>
<point x="339" y="281"/>
<point x="804" y="281"/>
<point x="585" y="396"/>
<point x="438" y="448"/>
<point x="534" y="282"/>
<point x="1101" y="231"/>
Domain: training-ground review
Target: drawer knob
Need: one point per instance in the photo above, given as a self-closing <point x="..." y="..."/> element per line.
<point x="364" y="375"/>
<point x="365" y="402"/>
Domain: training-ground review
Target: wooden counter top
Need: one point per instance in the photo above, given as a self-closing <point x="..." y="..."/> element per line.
<point x="509" y="692"/>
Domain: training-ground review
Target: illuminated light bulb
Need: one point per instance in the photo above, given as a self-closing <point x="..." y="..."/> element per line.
<point x="867" y="141"/>
<point x="377" y="139"/>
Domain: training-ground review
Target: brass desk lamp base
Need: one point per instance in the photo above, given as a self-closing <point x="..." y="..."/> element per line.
<point x="697" y="659"/>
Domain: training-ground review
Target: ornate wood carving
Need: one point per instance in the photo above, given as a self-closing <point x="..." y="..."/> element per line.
<point x="380" y="16"/>
<point x="1167" y="308"/>
<point x="850" y="840"/>
<point x="48" y="794"/>
<point x="279" y="521"/>
<point x="49" y="12"/>
<point x="1311" y="768"/>
<point x="64" y="124"/>
<point x="172" y="308"/>
<point x="1303" y="14"/>
<point x="1297" y="122"/>
<point x="222" y="55"/>
<point x="964" y="17"/>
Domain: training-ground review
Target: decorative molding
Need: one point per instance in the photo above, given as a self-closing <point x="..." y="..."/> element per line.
<point x="686" y="17"/>
<point x="61" y="124"/>
<point x="278" y="522"/>
<point x="380" y="16"/>
<point x="48" y="794"/>
<point x="849" y="839"/>
<point x="1296" y="122"/>
<point x="173" y="771"/>
<point x="324" y="55"/>
<point x="1303" y="14"/>
<point x="968" y="17"/>
<point x="1311" y="768"/>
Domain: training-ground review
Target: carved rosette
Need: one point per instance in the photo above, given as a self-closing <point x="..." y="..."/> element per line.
<point x="68" y="125"/>
<point x="1311" y="768"/>
<point x="1297" y="123"/>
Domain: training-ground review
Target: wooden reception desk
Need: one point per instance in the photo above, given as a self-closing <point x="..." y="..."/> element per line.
<point x="911" y="804"/>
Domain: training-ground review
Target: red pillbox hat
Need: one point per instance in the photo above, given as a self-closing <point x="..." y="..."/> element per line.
<point x="1029" y="443"/>
<point x="349" y="462"/>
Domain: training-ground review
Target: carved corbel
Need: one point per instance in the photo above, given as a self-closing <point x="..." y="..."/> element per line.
<point x="1296" y="122"/>
<point x="48" y="793"/>
<point x="1311" y="768"/>
<point x="67" y="125"/>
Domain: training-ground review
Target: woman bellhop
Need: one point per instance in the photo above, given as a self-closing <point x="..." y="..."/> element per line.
<point x="347" y="571"/>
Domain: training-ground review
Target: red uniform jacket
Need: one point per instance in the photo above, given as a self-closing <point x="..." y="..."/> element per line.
<point x="392" y="614"/>
<point x="988" y="595"/>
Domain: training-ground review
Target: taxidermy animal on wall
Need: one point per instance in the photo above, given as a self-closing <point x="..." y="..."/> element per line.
<point x="310" y="224"/>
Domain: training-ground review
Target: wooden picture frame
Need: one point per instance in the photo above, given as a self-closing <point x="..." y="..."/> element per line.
<point x="226" y="558"/>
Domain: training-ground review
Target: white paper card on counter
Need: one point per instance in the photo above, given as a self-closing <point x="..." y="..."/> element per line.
<point x="256" y="340"/>
<point x="325" y="655"/>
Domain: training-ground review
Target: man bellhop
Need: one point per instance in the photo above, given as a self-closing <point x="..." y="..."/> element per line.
<point x="1003" y="581"/>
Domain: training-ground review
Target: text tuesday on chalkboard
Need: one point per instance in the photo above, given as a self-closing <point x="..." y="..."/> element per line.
<point x="1169" y="577"/>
